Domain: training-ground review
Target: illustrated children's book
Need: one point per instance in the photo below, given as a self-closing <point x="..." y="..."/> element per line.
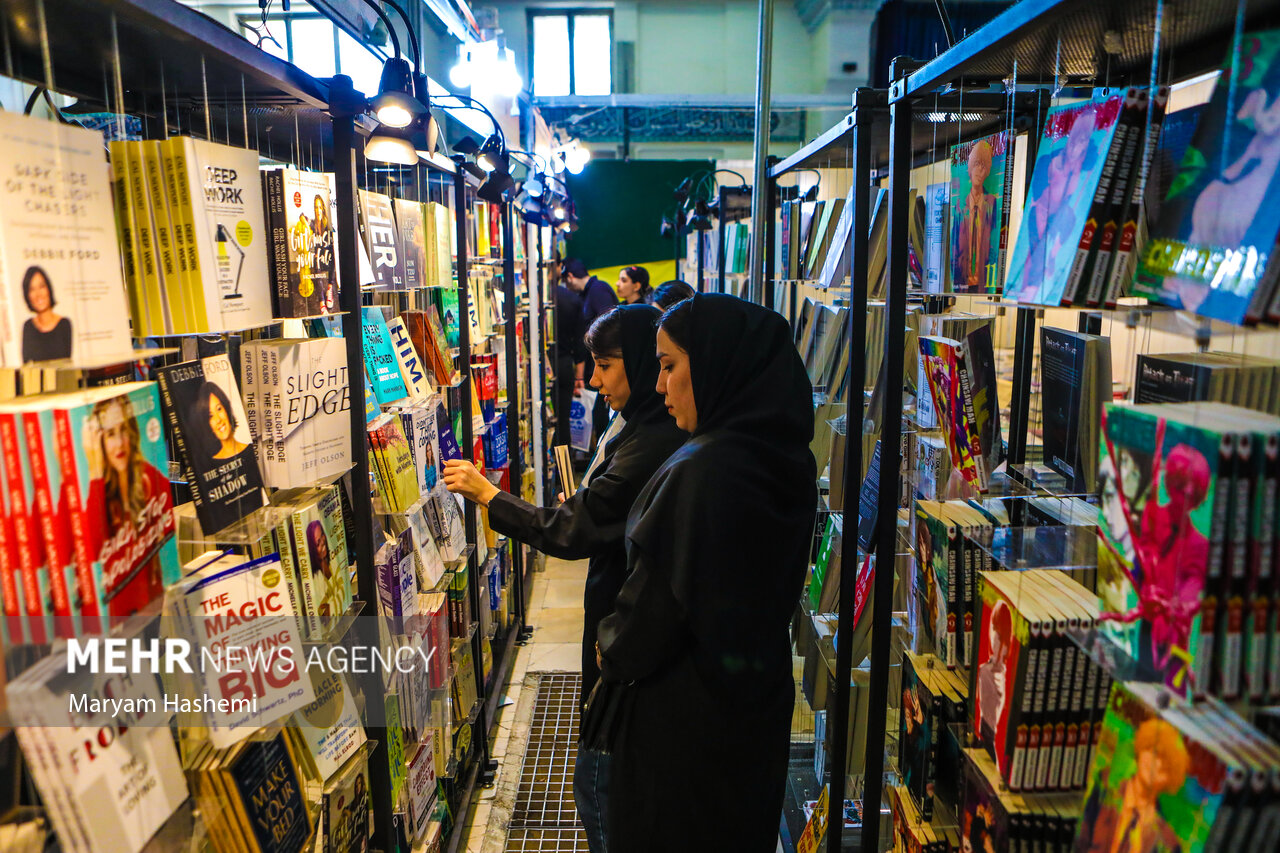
<point x="1069" y="161"/>
<point x="1211" y="250"/>
<point x="979" y="211"/>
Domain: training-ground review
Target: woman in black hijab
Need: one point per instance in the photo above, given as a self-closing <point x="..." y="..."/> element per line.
<point x="696" y="695"/>
<point x="592" y="521"/>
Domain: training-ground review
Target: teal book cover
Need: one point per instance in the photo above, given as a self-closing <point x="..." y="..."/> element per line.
<point x="380" y="365"/>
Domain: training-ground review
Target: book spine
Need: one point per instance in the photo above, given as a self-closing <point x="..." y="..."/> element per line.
<point x="1079" y="731"/>
<point x="47" y="518"/>
<point x="172" y="280"/>
<point x="953" y="592"/>
<point x="1127" y="249"/>
<point x="974" y="440"/>
<point x="249" y="381"/>
<point x="934" y="719"/>
<point x="1098" y="209"/>
<point x="27" y="540"/>
<point x="302" y="559"/>
<point x="184" y="185"/>
<point x="1061" y="766"/>
<point x="144" y="233"/>
<point x="12" y="631"/>
<point x="1021" y="743"/>
<point x="96" y="616"/>
<point x="1232" y="611"/>
<point x="1261" y="548"/>
<point x="175" y="189"/>
<point x="1215" y="577"/>
<point x="964" y="622"/>
<point x="1006" y="210"/>
<point x="126" y="233"/>
<point x="1053" y="696"/>
<point x="1091" y="686"/>
<point x="278" y="241"/>
<point x="1135" y="116"/>
<point x="282" y="543"/>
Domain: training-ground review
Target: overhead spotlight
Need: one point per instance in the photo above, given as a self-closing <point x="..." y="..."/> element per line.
<point x="474" y="170"/>
<point x="388" y="145"/>
<point x="668" y="229"/>
<point x="699" y="218"/>
<point x="575" y="158"/>
<point x="492" y="158"/>
<point x="682" y="190"/>
<point x="533" y="186"/>
<point x="496" y="184"/>
<point x="506" y="79"/>
<point x="395" y="105"/>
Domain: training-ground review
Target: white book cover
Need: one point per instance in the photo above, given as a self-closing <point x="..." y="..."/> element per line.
<point x="231" y="233"/>
<point x="244" y="629"/>
<point x="412" y="370"/>
<point x="331" y="724"/>
<point x="109" y="750"/>
<point x="430" y="563"/>
<point x="63" y="294"/>
<point x="310" y="399"/>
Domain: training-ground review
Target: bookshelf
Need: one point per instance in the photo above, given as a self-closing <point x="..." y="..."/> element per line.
<point x="1006" y="75"/>
<point x="181" y="73"/>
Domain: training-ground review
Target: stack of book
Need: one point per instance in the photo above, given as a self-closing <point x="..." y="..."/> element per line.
<point x="395" y="472"/>
<point x="199" y="263"/>
<point x="345" y="811"/>
<point x="912" y="833"/>
<point x="934" y="698"/>
<point x="298" y="400"/>
<point x="1241" y="380"/>
<point x="1036" y="695"/>
<point x="1206" y="597"/>
<point x="994" y="818"/>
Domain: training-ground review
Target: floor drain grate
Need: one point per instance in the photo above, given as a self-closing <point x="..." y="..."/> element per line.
<point x="544" y="817"/>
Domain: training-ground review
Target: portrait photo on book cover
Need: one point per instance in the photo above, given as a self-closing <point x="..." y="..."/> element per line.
<point x="46" y="335"/>
<point x="129" y="502"/>
<point x="219" y="436"/>
<point x="322" y="574"/>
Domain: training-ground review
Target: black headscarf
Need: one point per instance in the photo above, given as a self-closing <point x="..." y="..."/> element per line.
<point x="640" y="359"/>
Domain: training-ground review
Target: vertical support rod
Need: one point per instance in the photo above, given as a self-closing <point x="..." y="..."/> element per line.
<point x="858" y="252"/>
<point x="701" y="260"/>
<point x="477" y="558"/>
<point x="760" y="148"/>
<point x="770" y="234"/>
<point x="1024" y="341"/>
<point x="890" y="465"/>
<point x="724" y="220"/>
<point x="515" y="388"/>
<point x="344" y="103"/>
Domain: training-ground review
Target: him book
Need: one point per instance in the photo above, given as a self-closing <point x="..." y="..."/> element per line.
<point x="302" y="243"/>
<point x="962" y="385"/>
<point x="979" y="198"/>
<point x="63" y="295"/>
<point x="382" y="243"/>
<point x="1070" y="158"/>
<point x="1212" y="249"/>
<point x="1075" y="382"/>
<point x="207" y="422"/>
<point x="219" y="194"/>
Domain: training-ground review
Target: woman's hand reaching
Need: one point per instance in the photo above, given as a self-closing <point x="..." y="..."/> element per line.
<point x="462" y="478"/>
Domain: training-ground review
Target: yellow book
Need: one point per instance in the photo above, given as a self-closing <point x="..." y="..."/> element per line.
<point x="443" y="253"/>
<point x="126" y="232"/>
<point x="179" y="189"/>
<point x="430" y="273"/>
<point x="481" y="214"/>
<point x="170" y="276"/>
<point x="149" y="272"/>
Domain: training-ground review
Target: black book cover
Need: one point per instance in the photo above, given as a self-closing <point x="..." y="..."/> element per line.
<point x="1075" y="377"/>
<point x="207" y="422"/>
<point x="1163" y="379"/>
<point x="869" y="502"/>
<point x="267" y="781"/>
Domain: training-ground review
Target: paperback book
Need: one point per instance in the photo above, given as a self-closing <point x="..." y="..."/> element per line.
<point x="330" y="725"/>
<point x="979" y="199"/>
<point x="382" y="241"/>
<point x="1075" y="382"/>
<point x="302" y="243"/>
<point x="962" y="384"/>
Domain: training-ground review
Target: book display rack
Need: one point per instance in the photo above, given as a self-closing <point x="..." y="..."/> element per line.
<point x="1062" y="306"/>
<point x="223" y="439"/>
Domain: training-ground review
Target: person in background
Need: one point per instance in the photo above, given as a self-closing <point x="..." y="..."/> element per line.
<point x="591" y="522"/>
<point x="671" y="292"/>
<point x="633" y="286"/>
<point x="597" y="298"/>
<point x="696" y="692"/>
<point x="567" y="354"/>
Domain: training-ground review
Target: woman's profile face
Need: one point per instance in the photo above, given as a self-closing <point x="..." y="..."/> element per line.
<point x="219" y="421"/>
<point x="628" y="290"/>
<point x="610" y="378"/>
<point x="675" y="382"/>
<point x="38" y="293"/>
<point x="115" y="439"/>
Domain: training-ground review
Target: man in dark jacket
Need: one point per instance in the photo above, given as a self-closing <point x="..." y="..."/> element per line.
<point x="597" y="298"/>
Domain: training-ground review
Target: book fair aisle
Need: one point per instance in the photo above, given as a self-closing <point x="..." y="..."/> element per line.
<point x="1044" y="263"/>
<point x="249" y="314"/>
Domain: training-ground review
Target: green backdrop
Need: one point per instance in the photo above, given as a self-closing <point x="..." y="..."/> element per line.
<point x="620" y="207"/>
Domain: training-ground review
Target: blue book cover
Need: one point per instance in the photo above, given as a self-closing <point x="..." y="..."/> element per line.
<point x="1216" y="233"/>
<point x="1069" y="163"/>
<point x="380" y="363"/>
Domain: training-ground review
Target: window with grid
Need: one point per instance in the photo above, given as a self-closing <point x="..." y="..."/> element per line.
<point x="316" y="45"/>
<point x="571" y="51"/>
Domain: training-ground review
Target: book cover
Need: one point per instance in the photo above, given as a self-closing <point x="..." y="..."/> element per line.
<point x="63" y="295"/>
<point x="319" y="546"/>
<point x="303" y="238"/>
<point x="308" y="398"/>
<point x="1069" y="160"/>
<point x="1150" y="781"/>
<point x="398" y="583"/>
<point x="917" y="735"/>
<point x="937" y="233"/>
<point x="226" y="237"/>
<point x="330" y="725"/>
<point x="397" y="478"/>
<point x="381" y="365"/>
<point x="206" y="419"/>
<point x="347" y="827"/>
<point x="449" y="316"/>
<point x="1001" y="705"/>
<point x="115" y="488"/>
<point x="1075" y="381"/>
<point x="412" y="369"/>
<point x="979" y="225"/>
<point x="244" y="607"/>
<point x="412" y="241"/>
<point x="938" y="357"/>
<point x="442" y="253"/>
<point x="382" y="241"/>
<point x="1216" y="235"/>
<point x="422" y="785"/>
<point x="267" y="788"/>
<point x="1160" y="537"/>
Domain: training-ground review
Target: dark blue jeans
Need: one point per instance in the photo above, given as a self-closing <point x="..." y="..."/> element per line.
<point x="591" y="795"/>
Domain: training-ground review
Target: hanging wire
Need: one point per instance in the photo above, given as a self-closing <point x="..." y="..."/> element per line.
<point x="261" y="32"/>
